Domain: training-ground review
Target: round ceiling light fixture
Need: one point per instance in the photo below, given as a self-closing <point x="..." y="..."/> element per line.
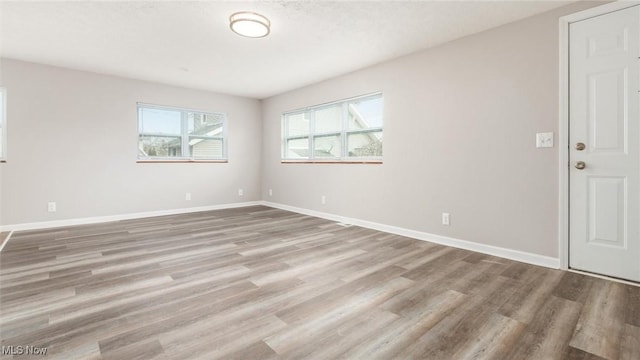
<point x="249" y="24"/>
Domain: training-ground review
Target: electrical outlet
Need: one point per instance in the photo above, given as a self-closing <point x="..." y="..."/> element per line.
<point x="240" y="192"/>
<point x="446" y="219"/>
<point x="544" y="140"/>
<point x="270" y="192"/>
<point x="51" y="207"/>
<point x="187" y="196"/>
<point x="323" y="200"/>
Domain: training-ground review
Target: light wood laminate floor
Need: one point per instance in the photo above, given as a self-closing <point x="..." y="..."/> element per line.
<point x="3" y="237"/>
<point x="262" y="283"/>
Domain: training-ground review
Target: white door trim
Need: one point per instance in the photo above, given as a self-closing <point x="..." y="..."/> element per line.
<point x="563" y="130"/>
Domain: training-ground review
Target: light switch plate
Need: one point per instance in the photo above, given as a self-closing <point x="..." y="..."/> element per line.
<point x="544" y="140"/>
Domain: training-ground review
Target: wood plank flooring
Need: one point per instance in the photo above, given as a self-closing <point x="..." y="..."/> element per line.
<point x="3" y="237"/>
<point x="262" y="283"/>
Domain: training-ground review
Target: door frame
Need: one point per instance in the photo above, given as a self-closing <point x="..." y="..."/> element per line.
<point x="563" y="129"/>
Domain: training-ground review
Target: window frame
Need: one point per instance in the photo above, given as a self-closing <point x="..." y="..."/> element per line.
<point x="3" y="126"/>
<point x="343" y="133"/>
<point x="184" y="136"/>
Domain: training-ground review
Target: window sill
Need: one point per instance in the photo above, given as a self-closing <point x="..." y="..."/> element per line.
<point x="364" y="162"/>
<point x="180" y="161"/>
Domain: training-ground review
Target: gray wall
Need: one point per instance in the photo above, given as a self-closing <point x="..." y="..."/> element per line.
<point x="460" y="124"/>
<point x="72" y="139"/>
<point x="459" y="137"/>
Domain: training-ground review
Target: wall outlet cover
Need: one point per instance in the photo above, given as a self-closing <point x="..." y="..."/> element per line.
<point x="544" y="140"/>
<point x="446" y="219"/>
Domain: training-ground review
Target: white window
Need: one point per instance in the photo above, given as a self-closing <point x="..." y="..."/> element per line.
<point x="3" y="124"/>
<point x="345" y="130"/>
<point x="166" y="133"/>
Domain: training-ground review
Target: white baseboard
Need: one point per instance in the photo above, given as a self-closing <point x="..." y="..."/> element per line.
<point x="510" y="254"/>
<point x="109" y="218"/>
<point x="516" y="255"/>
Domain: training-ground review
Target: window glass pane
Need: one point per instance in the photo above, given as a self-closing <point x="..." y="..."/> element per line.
<point x="327" y="146"/>
<point x="205" y="148"/>
<point x="160" y="121"/>
<point x="342" y="129"/>
<point x="297" y="124"/>
<point x="365" y="113"/>
<point x="328" y="119"/>
<point x="163" y="132"/>
<point x="162" y="146"/>
<point x="367" y="144"/>
<point x="297" y="148"/>
<point x="205" y="124"/>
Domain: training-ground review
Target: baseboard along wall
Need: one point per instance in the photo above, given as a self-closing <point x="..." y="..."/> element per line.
<point x="510" y="254"/>
<point x="525" y="257"/>
<point x="109" y="218"/>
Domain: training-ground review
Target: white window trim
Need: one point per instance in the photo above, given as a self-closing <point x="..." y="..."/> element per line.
<point x="184" y="135"/>
<point x="344" y="133"/>
<point x="3" y="121"/>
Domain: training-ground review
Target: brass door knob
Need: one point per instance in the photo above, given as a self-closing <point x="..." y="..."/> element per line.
<point x="580" y="165"/>
<point x="580" y="146"/>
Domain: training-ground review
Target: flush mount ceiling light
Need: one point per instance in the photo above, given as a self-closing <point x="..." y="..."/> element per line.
<point x="249" y="24"/>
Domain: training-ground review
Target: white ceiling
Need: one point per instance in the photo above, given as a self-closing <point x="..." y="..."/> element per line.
<point x="189" y="43"/>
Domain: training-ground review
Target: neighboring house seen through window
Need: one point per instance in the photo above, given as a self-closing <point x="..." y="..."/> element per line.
<point x="166" y="133"/>
<point x="3" y="124"/>
<point x="346" y="130"/>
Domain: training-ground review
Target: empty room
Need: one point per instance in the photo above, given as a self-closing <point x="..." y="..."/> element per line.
<point x="320" y="179"/>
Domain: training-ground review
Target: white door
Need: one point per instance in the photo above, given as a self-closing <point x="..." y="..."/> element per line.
<point x="604" y="115"/>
